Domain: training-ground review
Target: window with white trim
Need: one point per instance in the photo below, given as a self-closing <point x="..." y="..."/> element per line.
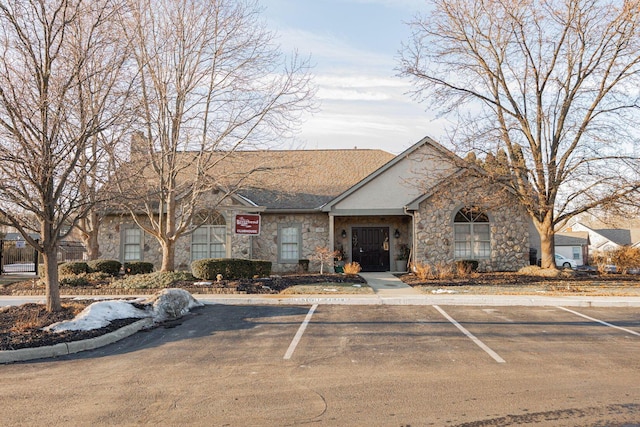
<point x="577" y="253"/>
<point x="472" y="236"/>
<point x="289" y="243"/>
<point x="208" y="240"/>
<point x="132" y="244"/>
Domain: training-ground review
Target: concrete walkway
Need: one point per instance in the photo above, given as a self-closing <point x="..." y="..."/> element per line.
<point x="388" y="285"/>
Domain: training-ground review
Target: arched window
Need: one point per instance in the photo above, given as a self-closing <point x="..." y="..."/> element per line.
<point x="471" y="234"/>
<point x="208" y="240"/>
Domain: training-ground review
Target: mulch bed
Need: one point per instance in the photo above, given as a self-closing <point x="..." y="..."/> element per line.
<point x="20" y="326"/>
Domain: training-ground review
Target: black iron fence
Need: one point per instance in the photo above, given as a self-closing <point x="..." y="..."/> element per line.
<point x="16" y="256"/>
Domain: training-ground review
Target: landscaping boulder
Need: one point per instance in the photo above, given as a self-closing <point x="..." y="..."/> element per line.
<point x="171" y="304"/>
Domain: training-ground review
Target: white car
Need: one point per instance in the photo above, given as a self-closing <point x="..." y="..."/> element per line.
<point x="565" y="262"/>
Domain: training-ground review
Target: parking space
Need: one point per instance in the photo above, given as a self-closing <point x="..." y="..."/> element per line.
<point x="555" y="336"/>
<point x="414" y="335"/>
<point x="497" y="333"/>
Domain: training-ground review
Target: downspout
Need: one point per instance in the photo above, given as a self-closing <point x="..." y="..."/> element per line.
<point x="414" y="242"/>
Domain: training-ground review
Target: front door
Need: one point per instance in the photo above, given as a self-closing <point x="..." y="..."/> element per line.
<point x="370" y="248"/>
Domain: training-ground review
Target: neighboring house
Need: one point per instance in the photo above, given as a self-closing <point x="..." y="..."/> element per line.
<point x="368" y="204"/>
<point x="607" y="239"/>
<point x="573" y="245"/>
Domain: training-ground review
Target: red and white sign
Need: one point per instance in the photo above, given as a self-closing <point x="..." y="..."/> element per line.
<point x="247" y="224"/>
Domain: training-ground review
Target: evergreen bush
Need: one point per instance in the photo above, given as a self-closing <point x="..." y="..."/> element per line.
<point x="109" y="266"/>
<point x="71" y="268"/>
<point x="230" y="268"/>
<point x="138" y="267"/>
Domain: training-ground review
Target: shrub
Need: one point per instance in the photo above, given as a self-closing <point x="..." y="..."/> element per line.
<point x="109" y="266"/>
<point x="74" y="281"/>
<point x="352" y="268"/>
<point x="422" y="271"/>
<point x="625" y="258"/>
<point x="230" y="268"/>
<point x="138" y="267"/>
<point x="429" y="272"/>
<point x="157" y="280"/>
<point x="466" y="267"/>
<point x="71" y="268"/>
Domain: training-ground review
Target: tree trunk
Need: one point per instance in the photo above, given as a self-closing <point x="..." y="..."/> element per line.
<point x="92" y="247"/>
<point x="90" y="229"/>
<point x="547" y="247"/>
<point x="51" y="279"/>
<point x="168" y="255"/>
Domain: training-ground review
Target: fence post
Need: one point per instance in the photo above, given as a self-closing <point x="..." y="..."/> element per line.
<point x="35" y="259"/>
<point x="1" y="263"/>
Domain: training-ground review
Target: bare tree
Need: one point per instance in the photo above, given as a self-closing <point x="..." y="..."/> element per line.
<point x="554" y="84"/>
<point x="211" y="81"/>
<point x="59" y="87"/>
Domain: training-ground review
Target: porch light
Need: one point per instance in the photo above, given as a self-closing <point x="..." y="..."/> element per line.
<point x="396" y="234"/>
<point x="344" y="234"/>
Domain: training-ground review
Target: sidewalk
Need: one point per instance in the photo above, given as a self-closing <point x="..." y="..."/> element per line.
<point x="386" y="284"/>
<point x="389" y="290"/>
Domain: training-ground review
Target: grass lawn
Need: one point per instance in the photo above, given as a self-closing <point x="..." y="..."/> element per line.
<point x="328" y="288"/>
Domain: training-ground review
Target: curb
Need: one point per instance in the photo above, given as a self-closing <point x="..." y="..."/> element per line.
<point x="468" y="300"/>
<point x="25" y="354"/>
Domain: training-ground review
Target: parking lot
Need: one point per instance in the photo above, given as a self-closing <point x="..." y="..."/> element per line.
<point x="347" y="365"/>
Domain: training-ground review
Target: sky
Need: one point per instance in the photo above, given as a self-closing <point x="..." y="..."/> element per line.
<point x="354" y="47"/>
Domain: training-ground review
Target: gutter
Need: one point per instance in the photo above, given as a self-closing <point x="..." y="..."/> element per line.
<point x="414" y="241"/>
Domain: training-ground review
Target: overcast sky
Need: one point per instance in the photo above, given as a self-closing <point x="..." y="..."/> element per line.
<point x="354" y="45"/>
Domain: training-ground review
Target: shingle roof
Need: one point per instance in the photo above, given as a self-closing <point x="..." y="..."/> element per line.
<point x="306" y="179"/>
<point x="579" y="238"/>
<point x="616" y="235"/>
<point x="285" y="179"/>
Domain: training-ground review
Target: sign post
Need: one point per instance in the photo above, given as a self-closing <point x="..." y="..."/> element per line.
<point x="247" y="224"/>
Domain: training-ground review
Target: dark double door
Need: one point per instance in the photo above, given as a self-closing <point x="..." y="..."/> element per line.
<point x="370" y="248"/>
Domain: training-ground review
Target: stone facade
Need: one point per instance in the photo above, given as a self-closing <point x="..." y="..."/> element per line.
<point x="434" y="237"/>
<point x="315" y="233"/>
<point x="314" y="228"/>
<point x="509" y="227"/>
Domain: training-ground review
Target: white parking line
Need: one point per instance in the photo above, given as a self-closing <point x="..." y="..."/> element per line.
<point x="301" y="329"/>
<point x="479" y="343"/>
<point x="600" y="321"/>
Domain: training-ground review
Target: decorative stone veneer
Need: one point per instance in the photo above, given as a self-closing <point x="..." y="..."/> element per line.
<point x="110" y="238"/>
<point x="315" y="233"/>
<point x="314" y="227"/>
<point x="111" y="235"/>
<point x="509" y="226"/>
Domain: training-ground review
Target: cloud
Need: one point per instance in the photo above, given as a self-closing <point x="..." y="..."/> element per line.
<point x="329" y="51"/>
<point x="362" y="102"/>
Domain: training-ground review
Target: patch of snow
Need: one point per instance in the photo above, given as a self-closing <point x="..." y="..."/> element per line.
<point x="167" y="304"/>
<point x="443" y="291"/>
<point x="98" y="315"/>
<point x="357" y="286"/>
<point x="203" y="283"/>
<point x="330" y="290"/>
